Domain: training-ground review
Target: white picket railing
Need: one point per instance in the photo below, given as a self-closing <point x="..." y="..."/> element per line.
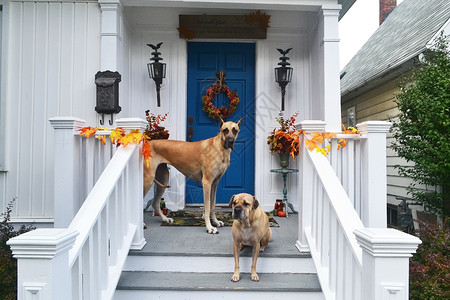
<point x="346" y="163"/>
<point x="355" y="255"/>
<point x="85" y="260"/>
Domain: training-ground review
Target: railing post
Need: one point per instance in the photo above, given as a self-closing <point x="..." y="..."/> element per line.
<point x="373" y="175"/>
<point x="305" y="184"/>
<point x="67" y="198"/>
<point x="43" y="263"/>
<point x="137" y="179"/>
<point x="385" y="262"/>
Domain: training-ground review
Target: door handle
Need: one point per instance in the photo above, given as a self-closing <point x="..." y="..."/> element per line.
<point x="190" y="129"/>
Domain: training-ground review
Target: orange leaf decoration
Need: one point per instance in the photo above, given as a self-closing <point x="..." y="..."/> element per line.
<point x="102" y="138"/>
<point x="329" y="135"/>
<point x="317" y="138"/>
<point x="310" y="144"/>
<point x="146" y="151"/>
<point x="116" y="135"/>
<point x="133" y="137"/>
<point x="87" y="131"/>
<point x="341" y="143"/>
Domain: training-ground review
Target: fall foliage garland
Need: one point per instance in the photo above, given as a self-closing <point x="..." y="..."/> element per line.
<point x="153" y="131"/>
<point x="118" y="137"/>
<point x="287" y="137"/>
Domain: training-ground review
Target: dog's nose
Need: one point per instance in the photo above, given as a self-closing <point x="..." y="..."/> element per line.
<point x="229" y="143"/>
<point x="237" y="212"/>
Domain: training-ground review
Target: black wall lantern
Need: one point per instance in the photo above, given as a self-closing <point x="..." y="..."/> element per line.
<point x="156" y="69"/>
<point x="107" y="94"/>
<point x="283" y="74"/>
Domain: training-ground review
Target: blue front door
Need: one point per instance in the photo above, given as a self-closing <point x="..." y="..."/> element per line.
<point x="238" y="61"/>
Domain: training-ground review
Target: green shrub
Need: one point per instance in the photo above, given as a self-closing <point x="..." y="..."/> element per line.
<point x="422" y="130"/>
<point x="8" y="264"/>
<point x="429" y="269"/>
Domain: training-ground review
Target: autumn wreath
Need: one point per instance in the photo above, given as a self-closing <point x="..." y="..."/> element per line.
<point x="217" y="88"/>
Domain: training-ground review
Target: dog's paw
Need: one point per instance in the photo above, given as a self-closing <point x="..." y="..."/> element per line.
<point x="218" y="223"/>
<point x="235" y="277"/>
<point x="212" y="230"/>
<point x="255" y="277"/>
<point x="167" y="220"/>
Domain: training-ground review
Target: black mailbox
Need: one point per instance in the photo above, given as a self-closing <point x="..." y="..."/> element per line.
<point x="107" y="94"/>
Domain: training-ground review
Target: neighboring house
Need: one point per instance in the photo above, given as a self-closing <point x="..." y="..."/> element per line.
<point x="370" y="81"/>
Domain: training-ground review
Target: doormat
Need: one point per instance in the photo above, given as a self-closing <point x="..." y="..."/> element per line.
<point x="194" y="218"/>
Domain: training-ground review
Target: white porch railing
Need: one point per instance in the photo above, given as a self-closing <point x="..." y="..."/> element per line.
<point x="85" y="260"/>
<point x="354" y="258"/>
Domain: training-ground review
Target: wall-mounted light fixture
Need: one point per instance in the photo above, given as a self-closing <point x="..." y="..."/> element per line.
<point x="156" y="69"/>
<point x="283" y="74"/>
<point x="107" y="94"/>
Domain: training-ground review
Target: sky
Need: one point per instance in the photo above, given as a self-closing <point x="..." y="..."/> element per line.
<point x="356" y="27"/>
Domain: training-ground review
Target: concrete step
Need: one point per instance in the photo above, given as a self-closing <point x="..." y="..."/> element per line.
<point x="194" y="285"/>
<point x="206" y="263"/>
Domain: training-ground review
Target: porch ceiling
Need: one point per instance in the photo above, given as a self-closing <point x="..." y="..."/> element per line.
<point x="300" y="5"/>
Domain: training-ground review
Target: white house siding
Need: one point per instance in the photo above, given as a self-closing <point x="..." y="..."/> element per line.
<point x="287" y="29"/>
<point x="378" y="104"/>
<point x="50" y="55"/>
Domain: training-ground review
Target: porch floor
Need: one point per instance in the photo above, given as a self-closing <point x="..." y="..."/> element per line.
<point x="194" y="241"/>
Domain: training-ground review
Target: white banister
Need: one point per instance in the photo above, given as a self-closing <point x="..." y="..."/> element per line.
<point x="331" y="221"/>
<point x="386" y="253"/>
<point x="374" y="185"/>
<point x="353" y="261"/>
<point x="85" y="260"/>
<point x="43" y="260"/>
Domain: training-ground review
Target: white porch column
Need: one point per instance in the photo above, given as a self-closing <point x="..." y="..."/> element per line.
<point x="137" y="209"/>
<point x="305" y="184"/>
<point x="43" y="263"/>
<point x="330" y="50"/>
<point x="111" y="35"/>
<point x="67" y="171"/>
<point x="374" y="180"/>
<point x="385" y="262"/>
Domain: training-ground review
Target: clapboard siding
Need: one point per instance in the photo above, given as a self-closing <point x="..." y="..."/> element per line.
<point x="52" y="56"/>
<point x="379" y="104"/>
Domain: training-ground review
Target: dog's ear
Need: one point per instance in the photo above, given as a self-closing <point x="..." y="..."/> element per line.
<point x="221" y="121"/>
<point x="231" y="201"/>
<point x="255" y="203"/>
<point x="239" y="122"/>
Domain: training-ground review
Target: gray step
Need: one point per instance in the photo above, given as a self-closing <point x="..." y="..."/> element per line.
<point x="189" y="285"/>
<point x="206" y="263"/>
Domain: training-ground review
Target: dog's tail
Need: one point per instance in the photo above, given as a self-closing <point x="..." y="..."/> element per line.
<point x="161" y="185"/>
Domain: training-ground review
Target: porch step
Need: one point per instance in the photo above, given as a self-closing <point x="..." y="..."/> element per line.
<point x="187" y="263"/>
<point x="194" y="285"/>
<point x="211" y="263"/>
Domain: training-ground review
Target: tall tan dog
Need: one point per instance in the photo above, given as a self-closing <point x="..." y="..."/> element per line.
<point x="204" y="161"/>
<point x="250" y="228"/>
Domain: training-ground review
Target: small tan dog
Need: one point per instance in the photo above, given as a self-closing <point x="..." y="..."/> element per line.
<point x="250" y="228"/>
